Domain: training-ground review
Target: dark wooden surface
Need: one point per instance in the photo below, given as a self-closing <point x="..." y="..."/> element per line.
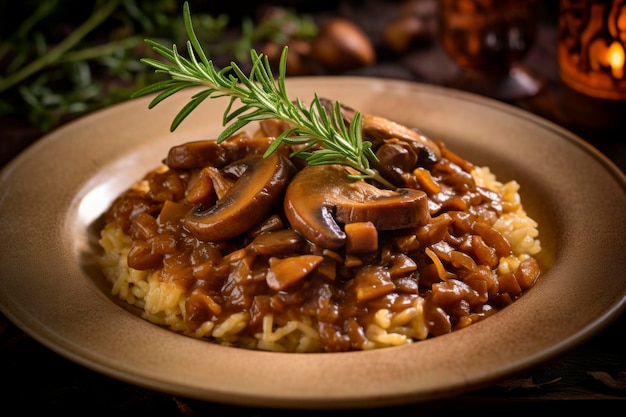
<point x="590" y="376"/>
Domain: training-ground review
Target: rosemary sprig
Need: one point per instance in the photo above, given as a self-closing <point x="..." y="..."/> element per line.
<point x="322" y="139"/>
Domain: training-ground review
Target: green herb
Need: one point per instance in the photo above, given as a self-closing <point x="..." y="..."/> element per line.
<point x="322" y="138"/>
<point x="60" y="59"/>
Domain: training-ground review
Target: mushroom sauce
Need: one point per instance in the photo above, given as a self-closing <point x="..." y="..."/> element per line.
<point x="269" y="253"/>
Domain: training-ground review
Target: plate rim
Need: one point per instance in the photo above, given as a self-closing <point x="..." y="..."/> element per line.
<point x="595" y="326"/>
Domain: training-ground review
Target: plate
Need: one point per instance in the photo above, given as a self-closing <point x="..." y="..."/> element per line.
<point x="53" y="195"/>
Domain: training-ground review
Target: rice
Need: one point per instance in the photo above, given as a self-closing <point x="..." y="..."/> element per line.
<point x="163" y="302"/>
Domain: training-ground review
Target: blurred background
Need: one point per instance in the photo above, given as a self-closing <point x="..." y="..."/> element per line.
<point x="63" y="59"/>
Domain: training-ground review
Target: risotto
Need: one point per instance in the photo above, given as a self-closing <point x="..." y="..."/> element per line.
<point x="222" y="244"/>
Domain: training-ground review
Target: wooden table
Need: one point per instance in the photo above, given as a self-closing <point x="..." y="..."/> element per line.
<point x="589" y="375"/>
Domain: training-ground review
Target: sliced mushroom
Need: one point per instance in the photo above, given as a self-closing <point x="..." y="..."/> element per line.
<point x="378" y="128"/>
<point x="397" y="156"/>
<point x="321" y="198"/>
<point x="202" y="153"/>
<point x="285" y="272"/>
<point x="246" y="203"/>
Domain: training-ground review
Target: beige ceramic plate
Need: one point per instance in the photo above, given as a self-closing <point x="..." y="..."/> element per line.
<point x="53" y="195"/>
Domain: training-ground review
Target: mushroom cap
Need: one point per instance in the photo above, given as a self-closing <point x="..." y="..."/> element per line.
<point x="319" y="199"/>
<point x="250" y="200"/>
<point x="202" y="153"/>
<point x="378" y="129"/>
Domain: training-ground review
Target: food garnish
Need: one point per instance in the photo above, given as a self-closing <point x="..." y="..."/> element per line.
<point x="322" y="138"/>
<point x="322" y="230"/>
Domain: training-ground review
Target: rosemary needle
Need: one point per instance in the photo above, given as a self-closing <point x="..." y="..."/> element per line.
<point x="323" y="138"/>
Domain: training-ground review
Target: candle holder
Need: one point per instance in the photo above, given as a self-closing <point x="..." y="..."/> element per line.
<point x="591" y="56"/>
<point x="488" y="40"/>
<point x="591" y="47"/>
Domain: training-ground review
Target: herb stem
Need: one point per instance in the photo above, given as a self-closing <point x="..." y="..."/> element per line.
<point x="101" y="50"/>
<point x="54" y="54"/>
<point x="321" y="135"/>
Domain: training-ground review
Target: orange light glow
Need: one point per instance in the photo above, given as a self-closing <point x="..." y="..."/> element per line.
<point x="592" y="47"/>
<point x="615" y="56"/>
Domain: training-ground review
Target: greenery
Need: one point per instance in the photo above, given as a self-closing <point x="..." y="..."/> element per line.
<point x="64" y="58"/>
<point x="322" y="138"/>
<point x="55" y="65"/>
